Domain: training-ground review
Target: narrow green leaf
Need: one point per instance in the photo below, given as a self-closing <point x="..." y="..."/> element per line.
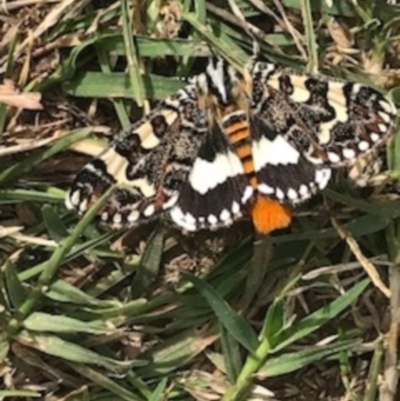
<point x="76" y="251"/>
<point x="62" y="291"/>
<point x="359" y="226"/>
<point x="393" y="152"/>
<point x="274" y="322"/>
<point x="16" y="291"/>
<point x="375" y="372"/>
<point x="55" y="227"/>
<point x="44" y="322"/>
<point x="312" y="65"/>
<point x="19" y="393"/>
<point x="119" y="106"/>
<point x="176" y="351"/>
<point x="236" y="325"/>
<point x="293" y="361"/>
<point x="131" y="54"/>
<point x="117" y="85"/>
<point x="158" y="393"/>
<point x="339" y="7"/>
<point x="4" y="346"/>
<point x="318" y="318"/>
<point x="20" y="195"/>
<point x="388" y="209"/>
<point x="51" y="266"/>
<point x="105" y="382"/>
<point x="69" y="351"/>
<point x="257" y="269"/>
<point x="149" y="264"/>
<point x="231" y="354"/>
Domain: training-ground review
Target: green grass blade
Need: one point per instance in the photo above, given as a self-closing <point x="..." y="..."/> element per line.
<point x="105" y="382"/>
<point x="318" y="318"/>
<point x="44" y="322"/>
<point x="16" y="292"/>
<point x="117" y="84"/>
<point x="55" y="226"/>
<point x="158" y="393"/>
<point x="311" y="40"/>
<point x="293" y="361"/>
<point x="231" y="354"/>
<point x="236" y="325"/>
<point x="68" y="351"/>
<point x="131" y="54"/>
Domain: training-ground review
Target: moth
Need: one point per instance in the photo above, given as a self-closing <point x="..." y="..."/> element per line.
<point x="232" y="144"/>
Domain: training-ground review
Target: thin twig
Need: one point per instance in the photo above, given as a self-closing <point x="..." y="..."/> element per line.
<point x="365" y="263"/>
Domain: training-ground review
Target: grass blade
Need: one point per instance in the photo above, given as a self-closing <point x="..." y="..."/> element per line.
<point x="236" y="325"/>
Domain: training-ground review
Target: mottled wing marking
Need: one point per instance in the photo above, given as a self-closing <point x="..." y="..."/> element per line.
<point x="330" y="121"/>
<point x="302" y="125"/>
<point x="149" y="164"/>
<point x="282" y="170"/>
<point x="216" y="189"/>
<point x="228" y="144"/>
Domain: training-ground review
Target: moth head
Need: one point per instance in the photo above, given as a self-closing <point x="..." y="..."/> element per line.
<point x="218" y="80"/>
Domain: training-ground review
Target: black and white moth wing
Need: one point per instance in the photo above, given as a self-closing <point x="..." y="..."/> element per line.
<point x="217" y="188"/>
<point x="282" y="171"/>
<point x="148" y="164"/>
<point x="332" y="121"/>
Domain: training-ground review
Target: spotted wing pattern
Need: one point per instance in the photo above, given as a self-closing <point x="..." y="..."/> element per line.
<point x="149" y="164"/>
<point x="231" y="143"/>
<point x="216" y="189"/>
<point x="307" y="124"/>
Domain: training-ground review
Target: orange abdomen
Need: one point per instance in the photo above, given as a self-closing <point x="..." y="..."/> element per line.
<point x="267" y="214"/>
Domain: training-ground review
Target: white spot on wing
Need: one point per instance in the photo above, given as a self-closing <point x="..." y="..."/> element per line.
<point x="117" y="218"/>
<point x="304" y="191"/>
<point x="385" y="117"/>
<point x="382" y="127"/>
<point x="375" y="137"/>
<point x="300" y="92"/>
<point x="207" y="175"/>
<point x="279" y="193"/>
<point x="322" y="177"/>
<point x="349" y="153"/>
<point x="83" y="205"/>
<point x="292" y="194"/>
<point x="333" y="157"/>
<point x="72" y="200"/>
<point x="266" y="189"/>
<point x="277" y="151"/>
<point x="170" y="202"/>
<point x="149" y="211"/>
<point x="248" y="193"/>
<point x="133" y="216"/>
<point x="212" y="220"/>
<point x="225" y="215"/>
<point x="363" y="146"/>
<point x="388" y="107"/>
<point x="189" y="218"/>
<point x="182" y="220"/>
<point x="235" y="207"/>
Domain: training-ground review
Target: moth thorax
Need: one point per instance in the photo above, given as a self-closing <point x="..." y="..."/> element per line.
<point x="219" y="82"/>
